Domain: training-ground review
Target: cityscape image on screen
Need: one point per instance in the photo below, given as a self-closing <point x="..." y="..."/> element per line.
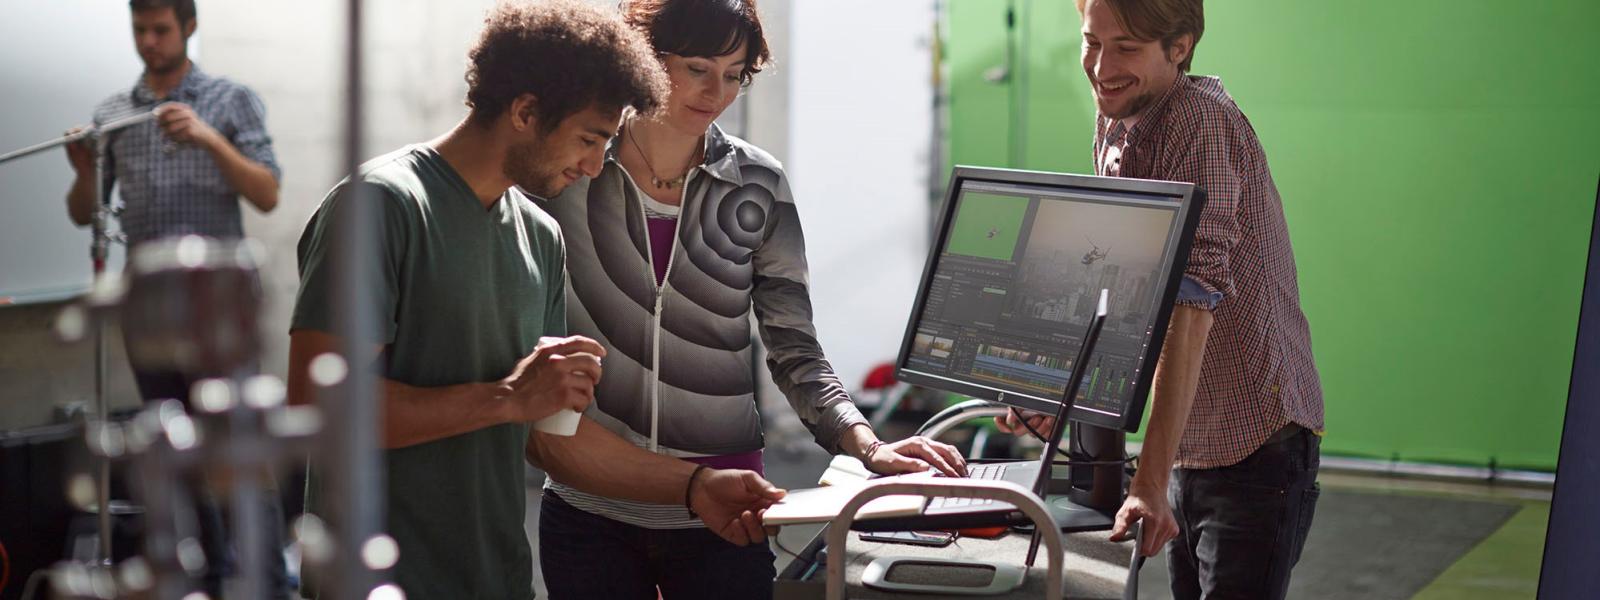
<point x="1016" y="281"/>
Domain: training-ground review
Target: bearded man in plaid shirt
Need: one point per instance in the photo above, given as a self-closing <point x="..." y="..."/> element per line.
<point x="183" y="173"/>
<point x="1227" y="477"/>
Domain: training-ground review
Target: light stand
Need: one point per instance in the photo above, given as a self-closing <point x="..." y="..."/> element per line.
<point x="99" y="247"/>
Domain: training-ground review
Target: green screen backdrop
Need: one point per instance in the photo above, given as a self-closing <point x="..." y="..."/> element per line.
<point x="1437" y="161"/>
<point x="988" y="226"/>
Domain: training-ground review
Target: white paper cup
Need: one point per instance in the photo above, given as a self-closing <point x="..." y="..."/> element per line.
<point x="564" y="423"/>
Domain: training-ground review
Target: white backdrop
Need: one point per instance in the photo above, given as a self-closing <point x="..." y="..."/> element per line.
<point x="58" y="59"/>
<point x="860" y="112"/>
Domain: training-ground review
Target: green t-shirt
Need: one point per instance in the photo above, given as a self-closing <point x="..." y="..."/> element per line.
<point x="464" y="293"/>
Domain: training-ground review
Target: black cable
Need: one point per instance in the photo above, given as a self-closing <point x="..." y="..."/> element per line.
<point x="1069" y="461"/>
<point x="1037" y="435"/>
<point x="778" y="541"/>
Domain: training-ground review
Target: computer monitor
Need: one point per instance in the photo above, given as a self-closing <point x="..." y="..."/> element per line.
<point x="1013" y="276"/>
<point x="1091" y="338"/>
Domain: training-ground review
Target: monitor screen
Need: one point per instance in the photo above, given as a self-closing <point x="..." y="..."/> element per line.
<point x="1014" y="276"/>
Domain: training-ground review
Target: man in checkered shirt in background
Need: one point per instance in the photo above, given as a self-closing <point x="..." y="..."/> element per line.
<point x="183" y="174"/>
<point x="1227" y="477"/>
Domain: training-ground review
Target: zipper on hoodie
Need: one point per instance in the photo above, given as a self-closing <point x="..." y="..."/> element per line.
<point x="661" y="292"/>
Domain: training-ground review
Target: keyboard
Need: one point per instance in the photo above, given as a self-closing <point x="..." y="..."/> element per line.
<point x="990" y="471"/>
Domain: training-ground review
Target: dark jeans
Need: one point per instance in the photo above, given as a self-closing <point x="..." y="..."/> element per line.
<point x="1241" y="527"/>
<point x="586" y="556"/>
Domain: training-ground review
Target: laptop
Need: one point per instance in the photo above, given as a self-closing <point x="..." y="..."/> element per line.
<point x="1035" y="475"/>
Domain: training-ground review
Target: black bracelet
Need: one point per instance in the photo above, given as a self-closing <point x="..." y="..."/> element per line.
<point x="690" y="487"/>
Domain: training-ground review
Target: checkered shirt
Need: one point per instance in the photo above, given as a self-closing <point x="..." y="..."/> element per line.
<point x="1258" y="374"/>
<point x="169" y="188"/>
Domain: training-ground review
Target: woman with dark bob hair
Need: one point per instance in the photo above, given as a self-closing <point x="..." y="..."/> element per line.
<point x="685" y="230"/>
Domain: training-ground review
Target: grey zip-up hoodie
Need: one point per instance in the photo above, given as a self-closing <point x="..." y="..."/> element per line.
<point x="677" y="370"/>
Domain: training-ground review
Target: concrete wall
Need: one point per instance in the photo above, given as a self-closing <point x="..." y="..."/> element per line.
<point x="293" y="56"/>
<point x="41" y="376"/>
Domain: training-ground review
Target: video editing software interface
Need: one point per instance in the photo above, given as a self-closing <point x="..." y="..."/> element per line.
<point x="1017" y="281"/>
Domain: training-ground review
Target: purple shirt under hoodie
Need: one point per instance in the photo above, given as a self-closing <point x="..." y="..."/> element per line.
<point x="661" y="220"/>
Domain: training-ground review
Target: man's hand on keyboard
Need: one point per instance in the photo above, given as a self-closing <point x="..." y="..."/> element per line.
<point x="916" y="454"/>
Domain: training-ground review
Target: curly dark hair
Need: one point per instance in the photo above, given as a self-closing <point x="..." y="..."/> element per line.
<point x="702" y="28"/>
<point x="568" y="54"/>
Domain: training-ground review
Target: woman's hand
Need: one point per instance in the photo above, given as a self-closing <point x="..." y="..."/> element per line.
<point x="914" y="455"/>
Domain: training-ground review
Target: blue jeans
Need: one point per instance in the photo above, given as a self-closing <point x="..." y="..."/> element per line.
<point x="587" y="556"/>
<point x="1241" y="527"/>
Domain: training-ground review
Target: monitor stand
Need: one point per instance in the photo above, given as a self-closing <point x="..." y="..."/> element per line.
<point x="1088" y="498"/>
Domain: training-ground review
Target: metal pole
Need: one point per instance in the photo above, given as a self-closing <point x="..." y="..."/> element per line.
<point x="99" y="247"/>
<point x="249" y="499"/>
<point x="354" y="478"/>
<point x="102" y="413"/>
<point x="42" y="146"/>
<point x="87" y="132"/>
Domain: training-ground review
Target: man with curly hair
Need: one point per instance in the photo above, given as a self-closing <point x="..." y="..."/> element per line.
<point x="469" y="286"/>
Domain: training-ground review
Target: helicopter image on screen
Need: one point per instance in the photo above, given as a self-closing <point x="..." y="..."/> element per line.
<point x="1096" y="254"/>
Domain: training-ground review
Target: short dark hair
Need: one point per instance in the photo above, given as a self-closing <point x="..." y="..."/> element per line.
<point x="568" y="54"/>
<point x="1159" y="20"/>
<point x="183" y="9"/>
<point x="702" y="28"/>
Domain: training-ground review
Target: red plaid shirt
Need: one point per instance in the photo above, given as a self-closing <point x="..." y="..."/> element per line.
<point x="1258" y="374"/>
